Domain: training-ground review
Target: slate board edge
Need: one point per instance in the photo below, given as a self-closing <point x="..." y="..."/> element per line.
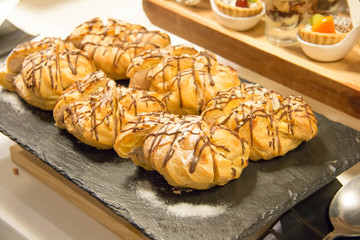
<point x="288" y="205"/>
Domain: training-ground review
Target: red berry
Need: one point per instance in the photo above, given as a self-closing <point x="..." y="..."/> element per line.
<point x="242" y="3"/>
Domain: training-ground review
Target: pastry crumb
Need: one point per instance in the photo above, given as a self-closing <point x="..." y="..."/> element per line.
<point x="15" y="171"/>
<point x="179" y="190"/>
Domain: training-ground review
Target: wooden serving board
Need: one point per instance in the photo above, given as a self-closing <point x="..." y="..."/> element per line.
<point x="74" y="194"/>
<point x="336" y="84"/>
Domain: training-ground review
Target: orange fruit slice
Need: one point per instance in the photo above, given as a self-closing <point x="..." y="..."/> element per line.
<point x="325" y="25"/>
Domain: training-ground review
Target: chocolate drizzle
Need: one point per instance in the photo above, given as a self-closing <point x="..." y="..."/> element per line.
<point x="188" y="130"/>
<point x="169" y="70"/>
<point x="51" y="58"/>
<point x="248" y="105"/>
<point x="107" y="108"/>
<point x="208" y="66"/>
<point x="117" y="39"/>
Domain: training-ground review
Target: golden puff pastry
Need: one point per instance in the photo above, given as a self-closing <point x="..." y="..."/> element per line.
<point x="185" y="78"/>
<point x="140" y="65"/>
<point x="192" y="154"/>
<point x="130" y="140"/>
<point x="14" y="62"/>
<point x="113" y="45"/>
<point x="78" y="91"/>
<point x="96" y="117"/>
<point x="47" y="73"/>
<point x="272" y="124"/>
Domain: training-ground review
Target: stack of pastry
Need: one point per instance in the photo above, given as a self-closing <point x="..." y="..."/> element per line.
<point x="113" y="45"/>
<point x="237" y="124"/>
<point x="225" y="123"/>
<point x="185" y="78"/>
<point x="40" y="71"/>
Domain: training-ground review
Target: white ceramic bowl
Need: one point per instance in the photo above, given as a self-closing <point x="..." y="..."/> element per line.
<point x="236" y="23"/>
<point x="330" y="53"/>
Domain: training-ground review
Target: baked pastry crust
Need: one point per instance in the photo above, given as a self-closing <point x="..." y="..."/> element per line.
<point x="13" y="64"/>
<point x="192" y="154"/>
<point x="185" y="77"/>
<point x="95" y="109"/>
<point x="112" y="46"/>
<point x="40" y="71"/>
<point x="320" y="38"/>
<point x="47" y="73"/>
<point x="141" y="65"/>
<point x="94" y="120"/>
<point x="130" y="140"/>
<point x="234" y="11"/>
<point x="188" y="152"/>
<point x="78" y="91"/>
<point x="272" y="124"/>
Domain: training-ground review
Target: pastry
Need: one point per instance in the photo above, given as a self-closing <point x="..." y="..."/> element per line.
<point x="40" y="71"/>
<point x="192" y="154"/>
<point x="13" y="65"/>
<point x="325" y="30"/>
<point x="141" y="65"/>
<point x="95" y="109"/>
<point x="78" y="91"/>
<point x="112" y="46"/>
<point x="130" y="140"/>
<point x="188" y="152"/>
<point x="272" y="124"/>
<point x="239" y="8"/>
<point x="94" y="119"/>
<point x="183" y="76"/>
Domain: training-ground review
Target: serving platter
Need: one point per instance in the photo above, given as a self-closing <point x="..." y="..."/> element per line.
<point x="336" y="84"/>
<point x="265" y="190"/>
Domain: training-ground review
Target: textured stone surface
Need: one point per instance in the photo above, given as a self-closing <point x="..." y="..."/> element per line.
<point x="265" y="190"/>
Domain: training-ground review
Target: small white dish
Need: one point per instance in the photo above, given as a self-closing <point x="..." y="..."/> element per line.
<point x="330" y="53"/>
<point x="236" y="23"/>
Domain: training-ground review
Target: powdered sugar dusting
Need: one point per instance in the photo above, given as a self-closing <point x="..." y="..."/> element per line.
<point x="190" y="210"/>
<point x="144" y="191"/>
<point x="13" y="99"/>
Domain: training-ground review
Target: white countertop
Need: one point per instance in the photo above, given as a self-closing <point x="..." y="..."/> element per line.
<point x="29" y="209"/>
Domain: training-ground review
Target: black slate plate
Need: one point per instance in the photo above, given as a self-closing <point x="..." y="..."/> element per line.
<point x="265" y="190"/>
<point x="309" y="219"/>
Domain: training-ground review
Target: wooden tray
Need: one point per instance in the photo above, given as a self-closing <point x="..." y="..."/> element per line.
<point x="336" y="84"/>
<point x="74" y="194"/>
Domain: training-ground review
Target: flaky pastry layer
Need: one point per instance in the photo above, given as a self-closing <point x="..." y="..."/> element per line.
<point x="272" y="124"/>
